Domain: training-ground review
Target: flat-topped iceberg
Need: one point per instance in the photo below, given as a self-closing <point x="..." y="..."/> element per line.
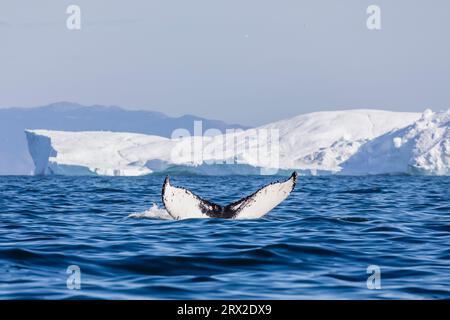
<point x="344" y="142"/>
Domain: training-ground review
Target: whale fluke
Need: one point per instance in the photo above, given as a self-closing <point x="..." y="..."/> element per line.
<point x="181" y="203"/>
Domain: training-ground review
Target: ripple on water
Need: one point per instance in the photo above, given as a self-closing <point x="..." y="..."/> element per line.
<point x="317" y="244"/>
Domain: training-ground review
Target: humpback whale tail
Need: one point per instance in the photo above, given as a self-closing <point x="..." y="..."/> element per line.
<point x="181" y="203"/>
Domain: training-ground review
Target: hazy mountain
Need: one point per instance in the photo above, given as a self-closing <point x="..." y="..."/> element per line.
<point x="67" y="116"/>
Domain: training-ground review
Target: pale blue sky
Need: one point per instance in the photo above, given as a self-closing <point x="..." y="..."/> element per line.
<point x="250" y="62"/>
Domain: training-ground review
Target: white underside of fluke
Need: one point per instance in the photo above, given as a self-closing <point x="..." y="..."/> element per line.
<point x="181" y="203"/>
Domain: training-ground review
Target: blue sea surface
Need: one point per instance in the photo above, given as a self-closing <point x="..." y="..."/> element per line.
<point x="317" y="244"/>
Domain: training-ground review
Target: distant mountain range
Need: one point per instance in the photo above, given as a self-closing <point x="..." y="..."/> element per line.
<point x="68" y="116"/>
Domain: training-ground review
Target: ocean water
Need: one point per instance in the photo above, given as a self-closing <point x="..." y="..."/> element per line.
<point x="317" y="244"/>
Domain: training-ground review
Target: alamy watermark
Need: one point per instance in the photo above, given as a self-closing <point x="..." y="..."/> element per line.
<point x="374" y="19"/>
<point x="374" y="280"/>
<point x="73" y="22"/>
<point x="256" y="147"/>
<point x="74" y="277"/>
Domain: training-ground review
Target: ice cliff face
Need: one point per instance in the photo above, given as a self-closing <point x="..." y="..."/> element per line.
<point x="91" y="152"/>
<point x="344" y="142"/>
<point x="66" y="116"/>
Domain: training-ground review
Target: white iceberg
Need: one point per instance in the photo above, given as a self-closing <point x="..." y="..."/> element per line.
<point x="321" y="141"/>
<point x="315" y="143"/>
<point x="420" y="148"/>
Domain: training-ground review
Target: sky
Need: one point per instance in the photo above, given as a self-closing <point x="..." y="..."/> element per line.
<point x="249" y="62"/>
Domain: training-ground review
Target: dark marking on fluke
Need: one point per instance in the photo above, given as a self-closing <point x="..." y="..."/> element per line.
<point x="230" y="211"/>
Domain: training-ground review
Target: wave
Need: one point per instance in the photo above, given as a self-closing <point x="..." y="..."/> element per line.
<point x="153" y="213"/>
<point x="364" y="190"/>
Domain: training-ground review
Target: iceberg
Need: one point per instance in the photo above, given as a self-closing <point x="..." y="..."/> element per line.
<point x="92" y="152"/>
<point x="420" y="148"/>
<point x="322" y="141"/>
<point x="336" y="142"/>
<point x="68" y="116"/>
